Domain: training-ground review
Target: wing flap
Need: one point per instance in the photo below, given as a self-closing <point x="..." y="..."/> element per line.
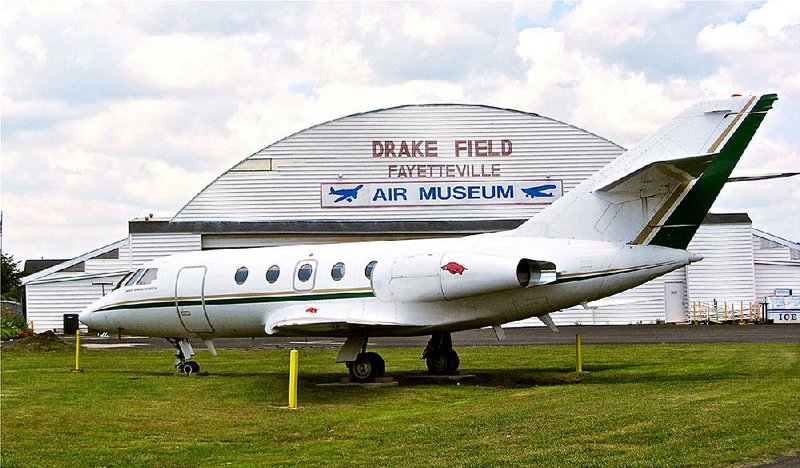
<point x="324" y="319"/>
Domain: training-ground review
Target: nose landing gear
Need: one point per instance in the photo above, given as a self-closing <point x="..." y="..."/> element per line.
<point x="184" y="351"/>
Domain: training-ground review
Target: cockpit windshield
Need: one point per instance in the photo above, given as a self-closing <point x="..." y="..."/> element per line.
<point x="136" y="275"/>
<point x="123" y="280"/>
<point x="149" y="276"/>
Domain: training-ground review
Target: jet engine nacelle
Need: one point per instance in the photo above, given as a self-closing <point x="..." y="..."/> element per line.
<point x="448" y="276"/>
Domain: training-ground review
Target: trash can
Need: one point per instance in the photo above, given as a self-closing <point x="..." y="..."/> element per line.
<point x="70" y="324"/>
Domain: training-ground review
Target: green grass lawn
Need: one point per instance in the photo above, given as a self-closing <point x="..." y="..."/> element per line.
<point x="639" y="405"/>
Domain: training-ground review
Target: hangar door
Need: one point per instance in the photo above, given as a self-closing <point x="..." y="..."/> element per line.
<point x="190" y="300"/>
<point x="674" y="292"/>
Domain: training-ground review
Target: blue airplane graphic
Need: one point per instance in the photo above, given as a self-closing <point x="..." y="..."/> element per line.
<point x="346" y="194"/>
<point x="539" y="191"/>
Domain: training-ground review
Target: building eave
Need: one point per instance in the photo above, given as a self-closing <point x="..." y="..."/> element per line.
<point x="36" y="277"/>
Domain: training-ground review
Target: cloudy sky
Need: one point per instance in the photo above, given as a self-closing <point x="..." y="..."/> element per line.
<point x="111" y="111"/>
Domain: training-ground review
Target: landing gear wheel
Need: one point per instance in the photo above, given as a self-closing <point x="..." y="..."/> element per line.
<point x="453" y="361"/>
<point x="442" y="362"/>
<point x="437" y="363"/>
<point x="377" y="362"/>
<point x="189" y="367"/>
<point x="367" y="367"/>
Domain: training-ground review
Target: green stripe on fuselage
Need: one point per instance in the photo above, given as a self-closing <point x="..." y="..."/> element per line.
<point x="243" y="300"/>
<point x="682" y="224"/>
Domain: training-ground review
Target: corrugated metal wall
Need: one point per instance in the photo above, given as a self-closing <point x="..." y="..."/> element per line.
<point x="772" y="276"/>
<point x="774" y="268"/>
<point x="282" y="181"/>
<point x="146" y="247"/>
<point x="726" y="272"/>
<point x="48" y="302"/>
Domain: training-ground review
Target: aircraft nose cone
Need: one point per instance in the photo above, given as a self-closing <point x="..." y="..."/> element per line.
<point x="86" y="317"/>
<point x="695" y="258"/>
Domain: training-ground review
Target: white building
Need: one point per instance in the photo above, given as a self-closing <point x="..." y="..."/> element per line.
<point x="410" y="172"/>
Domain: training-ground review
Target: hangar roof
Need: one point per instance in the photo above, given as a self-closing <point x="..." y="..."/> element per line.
<point x="289" y="181"/>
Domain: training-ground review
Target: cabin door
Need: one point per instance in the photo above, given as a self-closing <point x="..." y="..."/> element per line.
<point x="190" y="300"/>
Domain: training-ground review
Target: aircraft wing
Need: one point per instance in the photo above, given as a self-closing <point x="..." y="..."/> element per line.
<point x="325" y="318"/>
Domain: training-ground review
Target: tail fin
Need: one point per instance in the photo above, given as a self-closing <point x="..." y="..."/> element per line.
<point x="659" y="192"/>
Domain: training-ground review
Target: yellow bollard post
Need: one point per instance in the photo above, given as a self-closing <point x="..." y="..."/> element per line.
<point x="77" y="352"/>
<point x="578" y="354"/>
<point x="293" y="372"/>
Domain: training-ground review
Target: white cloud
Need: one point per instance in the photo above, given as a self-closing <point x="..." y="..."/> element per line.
<point x="190" y="62"/>
<point x="606" y="99"/>
<point x="770" y="25"/>
<point x="610" y="23"/>
<point x="33" y="47"/>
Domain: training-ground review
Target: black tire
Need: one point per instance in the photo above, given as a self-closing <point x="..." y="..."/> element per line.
<point x="453" y="361"/>
<point x="377" y="362"/>
<point x="438" y="362"/>
<point x="189" y="367"/>
<point x="363" y="369"/>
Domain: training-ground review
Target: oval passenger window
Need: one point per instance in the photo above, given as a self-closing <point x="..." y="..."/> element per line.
<point x="337" y="272"/>
<point x="273" y="273"/>
<point x="369" y="268"/>
<point x="304" y="273"/>
<point x="241" y="275"/>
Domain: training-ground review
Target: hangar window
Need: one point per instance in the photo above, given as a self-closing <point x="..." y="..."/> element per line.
<point x="241" y="275"/>
<point x="337" y="272"/>
<point x="369" y="268"/>
<point x="273" y="273"/>
<point x="150" y="275"/>
<point x="135" y="277"/>
<point x="304" y="272"/>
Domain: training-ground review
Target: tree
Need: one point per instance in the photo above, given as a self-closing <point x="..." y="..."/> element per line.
<point x="11" y="280"/>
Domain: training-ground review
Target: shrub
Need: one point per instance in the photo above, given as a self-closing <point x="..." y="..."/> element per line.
<point x="12" y="325"/>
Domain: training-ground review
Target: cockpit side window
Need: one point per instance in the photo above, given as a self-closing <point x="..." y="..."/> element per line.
<point x="150" y="275"/>
<point x="133" y="279"/>
<point x="123" y="280"/>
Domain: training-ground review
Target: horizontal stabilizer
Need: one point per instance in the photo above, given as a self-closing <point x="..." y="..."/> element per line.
<point x="753" y="178"/>
<point x="679" y="170"/>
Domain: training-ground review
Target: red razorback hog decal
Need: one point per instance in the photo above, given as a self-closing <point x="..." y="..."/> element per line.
<point x="454" y="268"/>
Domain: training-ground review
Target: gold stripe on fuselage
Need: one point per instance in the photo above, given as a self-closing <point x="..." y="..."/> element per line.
<point x="232" y="296"/>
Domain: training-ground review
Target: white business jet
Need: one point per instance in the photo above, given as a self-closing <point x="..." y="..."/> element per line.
<point x="627" y="224"/>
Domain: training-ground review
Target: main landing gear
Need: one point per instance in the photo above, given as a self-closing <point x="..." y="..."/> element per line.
<point x="365" y="366"/>
<point x="184" y="351"/>
<point x="440" y="356"/>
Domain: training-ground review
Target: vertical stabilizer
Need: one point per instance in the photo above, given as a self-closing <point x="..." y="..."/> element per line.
<point x="659" y="192"/>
